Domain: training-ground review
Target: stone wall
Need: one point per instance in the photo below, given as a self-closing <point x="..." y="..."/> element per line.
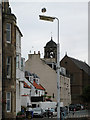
<point x="0" y="62"/>
<point x="9" y="49"/>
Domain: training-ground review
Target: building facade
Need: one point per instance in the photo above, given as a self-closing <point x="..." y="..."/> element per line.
<point x="48" y="78"/>
<point x="0" y="61"/>
<point x="9" y="30"/>
<point x="19" y="70"/>
<point x="89" y="33"/>
<point x="23" y="97"/>
<point x="46" y="69"/>
<point x="79" y="74"/>
<point x="37" y="91"/>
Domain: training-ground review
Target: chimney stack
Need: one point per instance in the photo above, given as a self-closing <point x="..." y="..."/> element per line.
<point x="39" y="52"/>
<point x="34" y="52"/>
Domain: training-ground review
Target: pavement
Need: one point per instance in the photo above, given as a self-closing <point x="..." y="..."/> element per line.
<point x="79" y="114"/>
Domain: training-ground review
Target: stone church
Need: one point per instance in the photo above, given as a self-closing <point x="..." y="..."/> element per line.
<point x="79" y="73"/>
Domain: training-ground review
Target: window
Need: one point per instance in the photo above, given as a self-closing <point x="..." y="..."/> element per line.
<point x="21" y="63"/>
<point x="53" y="95"/>
<point x="8" y="67"/>
<point x="36" y="92"/>
<point x="8" y="100"/>
<point x="39" y="93"/>
<point x="19" y="41"/>
<point x="8" y="32"/>
<point x="51" y="54"/>
<point x="17" y="61"/>
<point x="27" y="104"/>
<point x="71" y="78"/>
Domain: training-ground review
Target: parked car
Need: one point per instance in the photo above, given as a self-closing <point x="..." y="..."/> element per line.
<point x="79" y="107"/>
<point x="53" y="112"/>
<point x="48" y="113"/>
<point x="76" y="107"/>
<point x="38" y="112"/>
<point x="72" y="107"/>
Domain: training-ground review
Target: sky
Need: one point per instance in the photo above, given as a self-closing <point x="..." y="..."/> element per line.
<point x="73" y="35"/>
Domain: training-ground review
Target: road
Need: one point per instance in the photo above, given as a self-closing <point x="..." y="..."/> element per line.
<point x="78" y="114"/>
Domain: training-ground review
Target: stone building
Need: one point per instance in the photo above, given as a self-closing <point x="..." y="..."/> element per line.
<point x="0" y="61"/>
<point x="89" y="35"/>
<point x="8" y="62"/>
<point x="79" y="73"/>
<point x="19" y="70"/>
<point x="37" y="91"/>
<point x="46" y="69"/>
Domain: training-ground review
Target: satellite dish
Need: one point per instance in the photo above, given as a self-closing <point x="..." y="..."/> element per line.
<point x="43" y="10"/>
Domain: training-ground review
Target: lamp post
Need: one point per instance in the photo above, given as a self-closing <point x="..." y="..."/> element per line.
<point x="51" y="19"/>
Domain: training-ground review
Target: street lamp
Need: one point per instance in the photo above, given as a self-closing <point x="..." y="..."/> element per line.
<point x="51" y="19"/>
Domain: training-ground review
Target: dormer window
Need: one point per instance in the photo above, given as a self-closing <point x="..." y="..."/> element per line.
<point x="31" y="79"/>
<point x="8" y="33"/>
<point x="37" y="81"/>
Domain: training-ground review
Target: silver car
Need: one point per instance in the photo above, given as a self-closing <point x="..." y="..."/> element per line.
<point x="38" y="112"/>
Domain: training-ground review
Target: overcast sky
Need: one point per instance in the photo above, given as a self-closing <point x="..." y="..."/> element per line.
<point x="36" y="33"/>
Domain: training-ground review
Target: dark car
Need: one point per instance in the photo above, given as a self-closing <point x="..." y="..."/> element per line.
<point x="79" y="107"/>
<point x="75" y="107"/>
<point x="72" y="107"/>
<point x="48" y="113"/>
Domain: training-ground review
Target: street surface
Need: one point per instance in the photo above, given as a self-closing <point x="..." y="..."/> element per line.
<point x="78" y="114"/>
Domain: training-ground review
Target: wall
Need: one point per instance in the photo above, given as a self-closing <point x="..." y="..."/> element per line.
<point x="48" y="76"/>
<point x="0" y="62"/>
<point x="9" y="49"/>
<point x="18" y="96"/>
<point x="76" y="79"/>
<point x="19" y="73"/>
<point x="65" y="90"/>
<point x="89" y="33"/>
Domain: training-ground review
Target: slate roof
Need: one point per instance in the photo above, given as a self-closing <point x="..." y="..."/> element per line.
<point x="27" y="74"/>
<point x="34" y="75"/>
<point x="30" y="74"/>
<point x="81" y="65"/>
<point x="51" y="43"/>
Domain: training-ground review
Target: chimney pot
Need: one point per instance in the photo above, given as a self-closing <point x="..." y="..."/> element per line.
<point x="39" y="52"/>
<point x="34" y="52"/>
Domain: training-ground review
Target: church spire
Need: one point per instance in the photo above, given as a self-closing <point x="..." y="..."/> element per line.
<point x="51" y="36"/>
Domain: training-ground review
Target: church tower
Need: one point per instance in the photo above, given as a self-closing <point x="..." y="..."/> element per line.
<point x="50" y="53"/>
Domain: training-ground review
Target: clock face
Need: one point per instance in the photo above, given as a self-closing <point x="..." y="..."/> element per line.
<point x="51" y="54"/>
